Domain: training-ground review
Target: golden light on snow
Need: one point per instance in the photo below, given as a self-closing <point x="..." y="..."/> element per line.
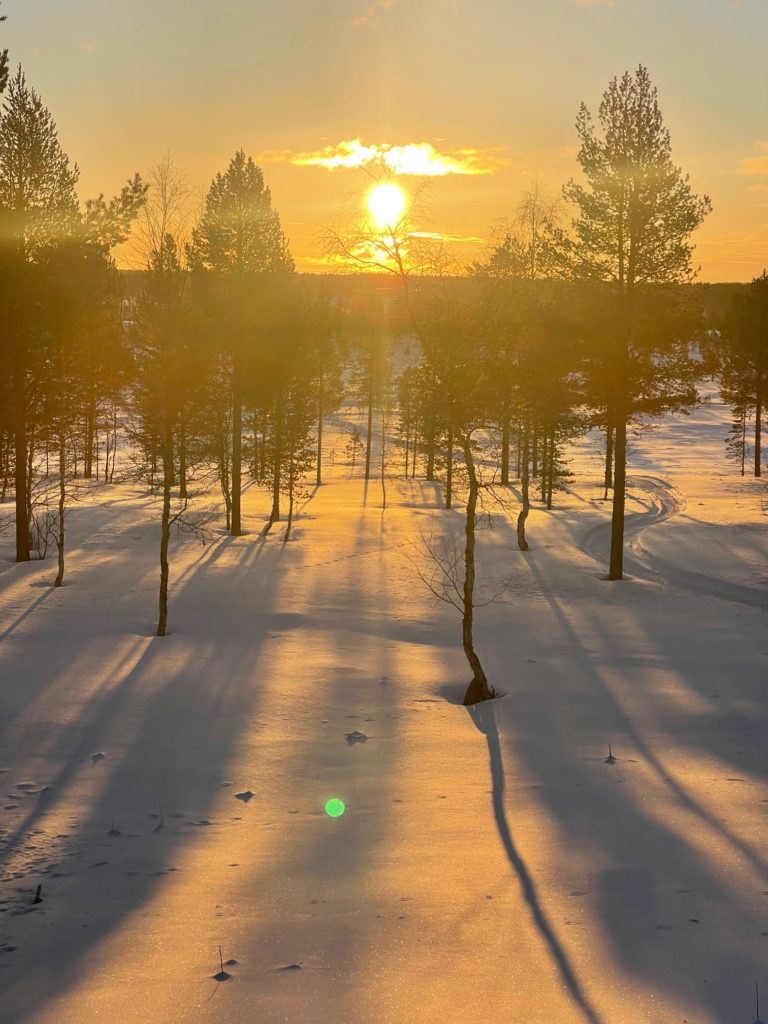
<point x="386" y="202"/>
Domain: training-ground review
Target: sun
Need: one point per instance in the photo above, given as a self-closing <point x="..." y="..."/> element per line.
<point x="386" y="202"/>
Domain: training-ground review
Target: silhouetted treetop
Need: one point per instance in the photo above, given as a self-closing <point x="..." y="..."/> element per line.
<point x="239" y="231"/>
<point x="637" y="210"/>
<point x="3" y="63"/>
<point x="37" y="184"/>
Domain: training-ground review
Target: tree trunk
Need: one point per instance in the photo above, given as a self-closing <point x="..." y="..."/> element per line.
<point x="522" y="543"/>
<point x="62" y="499"/>
<point x="182" y="460"/>
<point x="5" y="459"/>
<point x="289" y="524"/>
<point x="429" y="440"/>
<point x="551" y="469"/>
<point x="758" y="431"/>
<point x="383" y="459"/>
<point x="224" y="476"/>
<point x="449" y="470"/>
<point x="90" y="416"/>
<point x="609" y="433"/>
<point x="20" y="442"/>
<point x="237" y="452"/>
<point x="478" y="689"/>
<point x="62" y="471"/>
<point x="165" y="530"/>
<point x="505" y="448"/>
<point x="319" y="478"/>
<point x="274" y="516"/>
<point x="616" y="566"/>
<point x="369" y="437"/>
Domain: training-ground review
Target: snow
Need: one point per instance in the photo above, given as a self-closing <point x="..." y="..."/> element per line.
<point x="490" y="866"/>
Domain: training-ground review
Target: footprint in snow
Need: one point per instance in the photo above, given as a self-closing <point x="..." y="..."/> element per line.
<point x="355" y="737"/>
<point x="95" y="758"/>
<point x="245" y="796"/>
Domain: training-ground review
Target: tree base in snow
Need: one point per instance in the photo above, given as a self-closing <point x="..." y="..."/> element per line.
<point x="478" y="691"/>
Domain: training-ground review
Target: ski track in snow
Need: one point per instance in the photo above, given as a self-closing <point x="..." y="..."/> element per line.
<point x="665" y="502"/>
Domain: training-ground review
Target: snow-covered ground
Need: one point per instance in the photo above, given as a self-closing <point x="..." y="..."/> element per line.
<point x="491" y="866"/>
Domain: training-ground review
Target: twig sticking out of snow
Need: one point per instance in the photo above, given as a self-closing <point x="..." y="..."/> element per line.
<point x="757" y="1005"/>
<point x="610" y="759"/>
<point x="222" y="974"/>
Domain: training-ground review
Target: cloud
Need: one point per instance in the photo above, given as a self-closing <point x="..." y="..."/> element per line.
<point x="442" y="237"/>
<point x="417" y="158"/>
<point x="371" y="15"/>
<point x="755" y="164"/>
<point x="90" y="47"/>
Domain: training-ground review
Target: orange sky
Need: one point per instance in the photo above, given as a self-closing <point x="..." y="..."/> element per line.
<point x="489" y="87"/>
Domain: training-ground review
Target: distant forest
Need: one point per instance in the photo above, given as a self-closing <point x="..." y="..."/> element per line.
<point x="218" y="362"/>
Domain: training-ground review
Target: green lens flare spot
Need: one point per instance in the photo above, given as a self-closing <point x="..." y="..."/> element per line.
<point x="335" y="808"/>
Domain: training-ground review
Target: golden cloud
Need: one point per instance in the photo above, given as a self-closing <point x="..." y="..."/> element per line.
<point x="755" y="164"/>
<point x="442" y="237"/>
<point x="370" y="16"/>
<point x="417" y="158"/>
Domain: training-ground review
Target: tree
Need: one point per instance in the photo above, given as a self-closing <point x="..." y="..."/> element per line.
<point x="3" y="64"/>
<point x="744" y="373"/>
<point x="634" y="218"/>
<point x="161" y="334"/>
<point x="37" y="203"/>
<point x="450" y="327"/>
<point x="237" y="246"/>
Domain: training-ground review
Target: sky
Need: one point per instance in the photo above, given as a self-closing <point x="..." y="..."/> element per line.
<point x="485" y="92"/>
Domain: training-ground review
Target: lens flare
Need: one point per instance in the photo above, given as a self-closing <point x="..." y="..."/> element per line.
<point x="334" y="808"/>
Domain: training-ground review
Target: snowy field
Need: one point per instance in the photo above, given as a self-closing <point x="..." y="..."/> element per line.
<point x="491" y="867"/>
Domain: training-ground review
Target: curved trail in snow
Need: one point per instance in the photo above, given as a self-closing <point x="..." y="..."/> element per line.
<point x="665" y="502"/>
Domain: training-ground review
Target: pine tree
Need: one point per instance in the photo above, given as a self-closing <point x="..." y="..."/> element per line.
<point x="744" y="375"/>
<point x="3" y="64"/>
<point x="37" y="204"/>
<point x="630" y="235"/>
<point x="235" y="249"/>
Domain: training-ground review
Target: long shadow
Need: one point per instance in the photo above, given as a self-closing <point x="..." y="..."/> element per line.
<point x="760" y="864"/>
<point x="186" y="694"/>
<point x="644" y="855"/>
<point x="313" y="856"/>
<point x="25" y="614"/>
<point x="484" y="718"/>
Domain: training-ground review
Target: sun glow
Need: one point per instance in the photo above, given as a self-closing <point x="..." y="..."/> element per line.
<point x="386" y="202"/>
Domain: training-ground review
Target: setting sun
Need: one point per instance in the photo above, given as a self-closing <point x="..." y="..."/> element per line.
<point x="386" y="202"/>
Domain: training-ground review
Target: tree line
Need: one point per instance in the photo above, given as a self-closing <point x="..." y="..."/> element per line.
<point x="222" y="362"/>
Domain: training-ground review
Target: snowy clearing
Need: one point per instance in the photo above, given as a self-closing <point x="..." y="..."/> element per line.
<point x="168" y="794"/>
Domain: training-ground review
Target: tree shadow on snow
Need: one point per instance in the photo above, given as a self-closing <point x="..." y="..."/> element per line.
<point x="484" y="718"/>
